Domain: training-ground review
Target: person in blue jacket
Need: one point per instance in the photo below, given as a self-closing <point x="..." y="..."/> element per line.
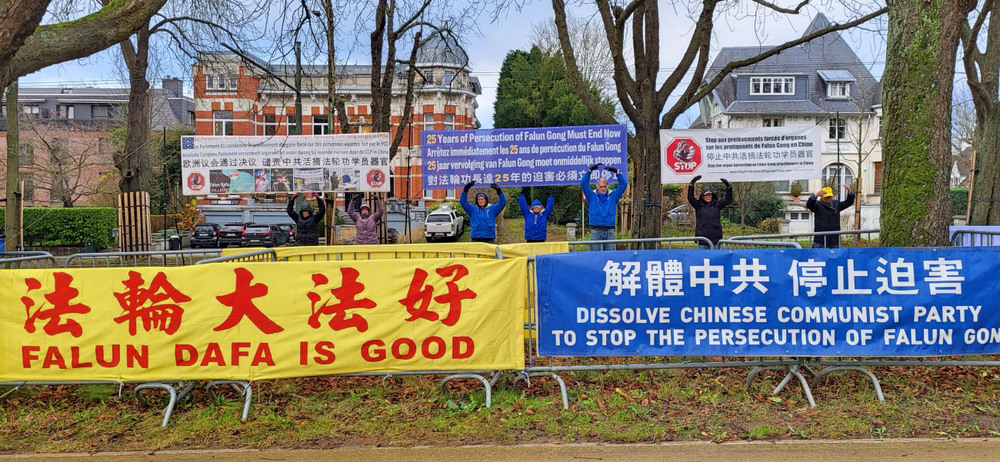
<point x="536" y="219"/>
<point x="603" y="206"/>
<point x="482" y="215"/>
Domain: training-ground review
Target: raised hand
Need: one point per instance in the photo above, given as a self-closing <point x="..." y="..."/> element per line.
<point x="612" y="170"/>
<point x="594" y="167"/>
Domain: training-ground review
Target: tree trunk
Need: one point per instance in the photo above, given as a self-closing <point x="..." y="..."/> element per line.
<point x="920" y="61"/>
<point x="985" y="210"/>
<point x="12" y="211"/>
<point x="133" y="163"/>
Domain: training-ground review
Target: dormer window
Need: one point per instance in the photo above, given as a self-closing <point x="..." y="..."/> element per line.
<point x="772" y="85"/>
<point x="835" y="90"/>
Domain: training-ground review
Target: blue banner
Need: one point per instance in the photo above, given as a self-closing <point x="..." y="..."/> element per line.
<point x="516" y="157"/>
<point x="800" y="302"/>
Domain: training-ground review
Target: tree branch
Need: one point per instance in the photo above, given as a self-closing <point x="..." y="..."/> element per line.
<point x="573" y="70"/>
<point x="56" y="43"/>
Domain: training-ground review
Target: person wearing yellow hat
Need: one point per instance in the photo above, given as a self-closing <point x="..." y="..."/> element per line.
<point x="826" y="215"/>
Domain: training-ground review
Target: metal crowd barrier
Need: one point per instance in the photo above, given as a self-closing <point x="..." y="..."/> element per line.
<point x="387" y="252"/>
<point x="175" y="389"/>
<point x="254" y="256"/>
<point x="27" y="259"/>
<point x="871" y="239"/>
<point x="646" y="243"/>
<point x="736" y="244"/>
<point x="150" y="258"/>
<point x="974" y="238"/>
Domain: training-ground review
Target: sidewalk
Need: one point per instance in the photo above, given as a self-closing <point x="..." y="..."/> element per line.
<point x="910" y="450"/>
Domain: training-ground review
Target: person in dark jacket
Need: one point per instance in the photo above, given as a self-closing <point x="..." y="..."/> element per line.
<point x="483" y="215"/>
<point x="603" y="206"/>
<point x="306" y="221"/>
<point x="536" y="218"/>
<point x="708" y="212"/>
<point x="365" y="222"/>
<point x="826" y="216"/>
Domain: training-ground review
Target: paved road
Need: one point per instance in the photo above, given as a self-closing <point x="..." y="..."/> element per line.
<point x="908" y="450"/>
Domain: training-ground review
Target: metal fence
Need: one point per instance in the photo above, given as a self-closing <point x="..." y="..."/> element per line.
<point x="133" y="259"/>
<point x="644" y="243"/>
<point x="974" y="238"/>
<point x="28" y="259"/>
<point x="254" y="256"/>
<point x="857" y="237"/>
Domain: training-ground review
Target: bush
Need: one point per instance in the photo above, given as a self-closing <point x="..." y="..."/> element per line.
<point x="770" y="225"/>
<point x="57" y="226"/>
<point x="959" y="201"/>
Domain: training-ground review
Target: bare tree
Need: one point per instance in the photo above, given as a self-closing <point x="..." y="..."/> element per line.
<point x="66" y="164"/>
<point x="644" y="101"/>
<point x="981" y="59"/>
<point x="187" y="26"/>
<point x="594" y="56"/>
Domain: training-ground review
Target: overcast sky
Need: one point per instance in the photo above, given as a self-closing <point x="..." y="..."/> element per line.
<point x="513" y="30"/>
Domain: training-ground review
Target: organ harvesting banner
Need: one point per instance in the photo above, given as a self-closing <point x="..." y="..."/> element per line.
<point x="740" y="154"/>
<point x="282" y="164"/>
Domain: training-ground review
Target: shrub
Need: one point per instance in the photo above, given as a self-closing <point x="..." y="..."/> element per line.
<point x="959" y="200"/>
<point x="770" y="225"/>
<point x="58" y="226"/>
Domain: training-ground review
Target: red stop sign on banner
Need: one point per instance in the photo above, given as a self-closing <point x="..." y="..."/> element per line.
<point x="682" y="155"/>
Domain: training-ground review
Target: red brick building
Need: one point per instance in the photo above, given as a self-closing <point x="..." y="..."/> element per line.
<point x="234" y="97"/>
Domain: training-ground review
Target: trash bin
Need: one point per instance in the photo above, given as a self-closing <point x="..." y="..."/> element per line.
<point x="175" y="242"/>
<point x="88" y="247"/>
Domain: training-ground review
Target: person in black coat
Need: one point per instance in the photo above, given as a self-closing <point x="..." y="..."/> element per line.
<point x="826" y="216"/>
<point x="708" y="212"/>
<point x="305" y="221"/>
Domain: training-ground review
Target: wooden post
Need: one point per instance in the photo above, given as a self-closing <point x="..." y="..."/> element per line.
<point x="134" y="231"/>
<point x="972" y="180"/>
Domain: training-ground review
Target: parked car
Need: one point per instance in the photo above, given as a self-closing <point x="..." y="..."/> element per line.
<point x="391" y="235"/>
<point x="231" y="234"/>
<point x="205" y="235"/>
<point x="264" y="235"/>
<point x="681" y="215"/>
<point x="443" y="223"/>
<point x="290" y="229"/>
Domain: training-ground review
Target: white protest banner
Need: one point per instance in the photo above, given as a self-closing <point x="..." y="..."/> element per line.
<point x="270" y="164"/>
<point x="740" y="154"/>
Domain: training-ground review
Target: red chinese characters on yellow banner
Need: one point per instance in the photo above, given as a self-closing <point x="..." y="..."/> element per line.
<point x="255" y="321"/>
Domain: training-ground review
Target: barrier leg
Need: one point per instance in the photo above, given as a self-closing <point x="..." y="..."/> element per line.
<point x="863" y="370"/>
<point x="562" y="385"/>
<point x="486" y="383"/>
<point x="792" y="371"/>
<point x="169" y="409"/>
<point x="243" y="387"/>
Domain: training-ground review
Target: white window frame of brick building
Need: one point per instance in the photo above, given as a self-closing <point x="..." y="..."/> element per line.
<point x="321" y="125"/>
<point x="221" y="125"/>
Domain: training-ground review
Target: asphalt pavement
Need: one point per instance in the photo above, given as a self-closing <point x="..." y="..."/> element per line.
<point x="908" y="450"/>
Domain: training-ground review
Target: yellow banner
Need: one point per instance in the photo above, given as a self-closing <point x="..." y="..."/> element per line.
<point x="254" y="321"/>
<point x="530" y="249"/>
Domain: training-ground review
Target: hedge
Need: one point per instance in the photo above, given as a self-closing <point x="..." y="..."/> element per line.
<point x="58" y="226"/>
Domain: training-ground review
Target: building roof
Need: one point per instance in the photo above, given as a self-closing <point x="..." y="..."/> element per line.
<point x="828" y="55"/>
<point x="168" y="108"/>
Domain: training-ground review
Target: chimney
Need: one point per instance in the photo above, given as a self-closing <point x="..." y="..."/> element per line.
<point x="174" y="85"/>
